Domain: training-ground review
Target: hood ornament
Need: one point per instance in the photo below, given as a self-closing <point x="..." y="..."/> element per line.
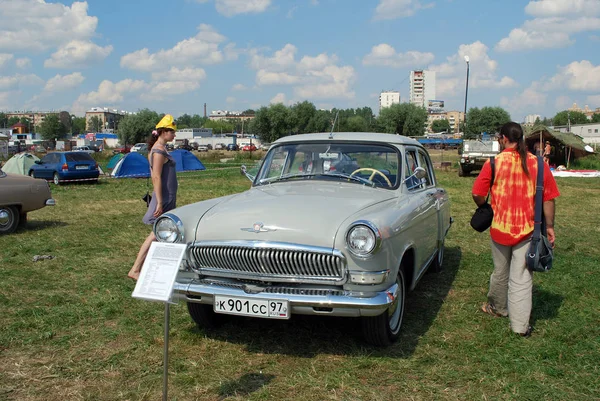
<point x="258" y="228"/>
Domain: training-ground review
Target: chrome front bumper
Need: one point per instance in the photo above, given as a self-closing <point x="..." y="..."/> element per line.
<point x="302" y="301"/>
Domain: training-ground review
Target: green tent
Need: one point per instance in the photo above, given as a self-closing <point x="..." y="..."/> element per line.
<point x="565" y="145"/>
<point x="114" y="160"/>
<point x="20" y="163"/>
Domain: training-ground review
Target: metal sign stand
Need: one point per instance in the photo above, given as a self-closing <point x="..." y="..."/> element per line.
<point x="166" y="353"/>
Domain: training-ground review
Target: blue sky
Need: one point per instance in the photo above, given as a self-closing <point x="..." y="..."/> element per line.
<point x="173" y="56"/>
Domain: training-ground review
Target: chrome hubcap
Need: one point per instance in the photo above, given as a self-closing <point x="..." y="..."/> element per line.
<point x="4" y="217"/>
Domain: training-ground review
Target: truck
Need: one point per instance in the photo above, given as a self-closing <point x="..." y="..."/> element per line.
<point x="474" y="153"/>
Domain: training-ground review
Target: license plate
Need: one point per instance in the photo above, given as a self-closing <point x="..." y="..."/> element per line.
<point x="81" y="167"/>
<point x="267" y="308"/>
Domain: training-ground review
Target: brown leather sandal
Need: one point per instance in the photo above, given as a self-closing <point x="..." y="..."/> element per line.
<point x="490" y="310"/>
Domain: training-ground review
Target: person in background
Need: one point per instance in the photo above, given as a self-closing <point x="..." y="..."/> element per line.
<point x="513" y="194"/>
<point x="547" y="152"/>
<point x="164" y="183"/>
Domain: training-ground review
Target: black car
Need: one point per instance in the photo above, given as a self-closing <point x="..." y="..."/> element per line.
<point x="232" y="146"/>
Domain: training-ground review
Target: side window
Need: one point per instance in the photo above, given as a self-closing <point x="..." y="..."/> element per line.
<point x="412" y="162"/>
<point x="425" y="162"/>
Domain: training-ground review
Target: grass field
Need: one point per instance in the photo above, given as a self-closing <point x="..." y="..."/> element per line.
<point x="69" y="329"/>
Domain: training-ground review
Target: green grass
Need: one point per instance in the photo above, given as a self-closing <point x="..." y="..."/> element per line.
<point x="70" y="330"/>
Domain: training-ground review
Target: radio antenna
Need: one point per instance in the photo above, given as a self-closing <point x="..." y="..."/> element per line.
<point x="333" y="126"/>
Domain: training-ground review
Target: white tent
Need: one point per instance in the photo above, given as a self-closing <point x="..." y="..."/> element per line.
<point x="20" y="163"/>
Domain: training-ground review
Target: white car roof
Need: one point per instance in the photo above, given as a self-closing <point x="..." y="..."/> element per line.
<point x="350" y="136"/>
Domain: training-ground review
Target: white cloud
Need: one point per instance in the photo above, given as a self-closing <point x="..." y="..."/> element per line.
<point x="554" y="23"/>
<point x="5" y="58"/>
<point x="23" y="63"/>
<point x="552" y="8"/>
<point x="62" y="83"/>
<point x="229" y="8"/>
<point x="200" y="49"/>
<point x="76" y="54"/>
<point x="7" y="99"/>
<point x="578" y="76"/>
<point x="527" y="101"/>
<point x="230" y="99"/>
<point x="175" y="81"/>
<point x="108" y="93"/>
<point x="311" y="77"/>
<point x="392" y="9"/>
<point x="562" y="102"/>
<point x="385" y="55"/>
<point x="452" y="73"/>
<point x="278" y="98"/>
<point x="239" y="87"/>
<point x="18" y="80"/>
<point x="36" y="25"/>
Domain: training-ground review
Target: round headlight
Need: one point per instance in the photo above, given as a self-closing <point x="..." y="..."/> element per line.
<point x="167" y="229"/>
<point x="361" y="240"/>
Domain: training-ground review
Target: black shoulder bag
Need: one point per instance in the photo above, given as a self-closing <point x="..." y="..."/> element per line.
<point x="540" y="254"/>
<point x="484" y="214"/>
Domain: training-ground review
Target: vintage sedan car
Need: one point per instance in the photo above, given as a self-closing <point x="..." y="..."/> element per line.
<point x="66" y="167"/>
<point x="140" y="147"/>
<point x="20" y="195"/>
<point x="316" y="240"/>
<point x="249" y="148"/>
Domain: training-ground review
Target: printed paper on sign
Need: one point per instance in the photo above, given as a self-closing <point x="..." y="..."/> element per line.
<point x="157" y="277"/>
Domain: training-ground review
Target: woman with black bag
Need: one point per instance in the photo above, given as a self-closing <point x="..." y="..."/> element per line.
<point x="164" y="183"/>
<point x="513" y="192"/>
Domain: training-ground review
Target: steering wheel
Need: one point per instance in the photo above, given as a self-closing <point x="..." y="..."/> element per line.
<point x="375" y="171"/>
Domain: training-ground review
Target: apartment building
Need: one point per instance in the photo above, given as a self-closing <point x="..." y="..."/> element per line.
<point x="422" y="87"/>
<point x="35" y="117"/>
<point x="453" y="117"/>
<point x="109" y="117"/>
<point x="531" y="118"/>
<point x="218" y="115"/>
<point x="388" y="98"/>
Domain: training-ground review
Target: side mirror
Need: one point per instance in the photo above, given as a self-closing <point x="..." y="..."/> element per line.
<point x="420" y="173"/>
<point x="38" y="162"/>
<point x="244" y="171"/>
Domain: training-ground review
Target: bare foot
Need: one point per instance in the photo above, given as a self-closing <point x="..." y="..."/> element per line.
<point x="134" y="273"/>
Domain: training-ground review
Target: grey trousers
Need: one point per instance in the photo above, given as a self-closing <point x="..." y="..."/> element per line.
<point x="511" y="284"/>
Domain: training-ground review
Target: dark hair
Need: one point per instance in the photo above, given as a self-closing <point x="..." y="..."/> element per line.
<point x="153" y="138"/>
<point x="514" y="133"/>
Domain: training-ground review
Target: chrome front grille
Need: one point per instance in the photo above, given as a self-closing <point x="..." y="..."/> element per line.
<point x="279" y="262"/>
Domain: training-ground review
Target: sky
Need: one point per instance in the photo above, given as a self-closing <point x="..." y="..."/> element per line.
<point x="529" y="57"/>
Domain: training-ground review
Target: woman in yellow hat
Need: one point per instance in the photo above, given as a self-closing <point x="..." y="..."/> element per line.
<point x="164" y="183"/>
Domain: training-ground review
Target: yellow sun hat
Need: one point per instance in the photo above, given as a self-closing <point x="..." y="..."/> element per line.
<point x="167" y="122"/>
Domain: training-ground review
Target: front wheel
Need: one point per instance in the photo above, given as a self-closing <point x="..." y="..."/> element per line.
<point x="31" y="174"/>
<point x="204" y="316"/>
<point x="383" y="330"/>
<point x="463" y="172"/>
<point x="9" y="219"/>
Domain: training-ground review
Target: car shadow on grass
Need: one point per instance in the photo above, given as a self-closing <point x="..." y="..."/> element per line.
<point x="37" y="225"/>
<point x="307" y="336"/>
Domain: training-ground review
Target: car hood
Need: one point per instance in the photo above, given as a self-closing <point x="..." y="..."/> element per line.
<point x="306" y="213"/>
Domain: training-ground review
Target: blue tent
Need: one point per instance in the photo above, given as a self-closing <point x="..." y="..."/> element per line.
<point x="132" y="165"/>
<point x="186" y="161"/>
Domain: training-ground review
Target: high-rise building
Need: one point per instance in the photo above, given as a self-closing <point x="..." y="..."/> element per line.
<point x="530" y="118"/>
<point x="388" y="98"/>
<point x="422" y="87"/>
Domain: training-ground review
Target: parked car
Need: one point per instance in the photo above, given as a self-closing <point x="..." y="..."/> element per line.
<point x="264" y="146"/>
<point x="232" y="146"/>
<point x="220" y="146"/>
<point x="20" y="195"/>
<point x="184" y="146"/>
<point x="140" y="147"/>
<point x="85" y="149"/>
<point x="122" y="149"/>
<point x="66" y="166"/>
<point x="202" y="148"/>
<point x="249" y="148"/>
<point x="354" y="245"/>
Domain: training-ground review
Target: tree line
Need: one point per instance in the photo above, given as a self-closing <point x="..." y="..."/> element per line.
<point x="276" y="120"/>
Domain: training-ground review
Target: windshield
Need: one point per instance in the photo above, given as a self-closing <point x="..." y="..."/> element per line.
<point x="376" y="165"/>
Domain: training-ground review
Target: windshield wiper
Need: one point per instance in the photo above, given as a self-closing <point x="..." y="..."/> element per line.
<point x="283" y="177"/>
<point x="352" y="177"/>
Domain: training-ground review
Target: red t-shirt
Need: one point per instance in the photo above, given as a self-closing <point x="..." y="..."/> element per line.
<point x="513" y="195"/>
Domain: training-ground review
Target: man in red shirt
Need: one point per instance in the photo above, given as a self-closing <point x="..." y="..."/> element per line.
<point x="513" y="193"/>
